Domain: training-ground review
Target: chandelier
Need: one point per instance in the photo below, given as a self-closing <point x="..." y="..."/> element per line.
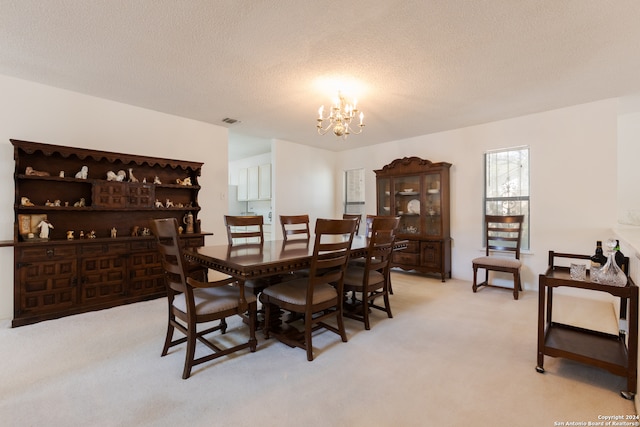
<point x="339" y="119"/>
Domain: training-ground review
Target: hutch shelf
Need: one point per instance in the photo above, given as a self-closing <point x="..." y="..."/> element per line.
<point x="99" y="252"/>
<point x="417" y="191"/>
<point x="617" y="354"/>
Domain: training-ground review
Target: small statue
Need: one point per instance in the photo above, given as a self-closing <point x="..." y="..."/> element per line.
<point x="114" y="232"/>
<point x="30" y="171"/>
<point x="70" y="235"/>
<point x="168" y="204"/>
<point x="61" y="174"/>
<point x="158" y="204"/>
<point x="83" y="173"/>
<point x="144" y="180"/>
<point x="80" y="203"/>
<point x="57" y="202"/>
<point x="135" y="231"/>
<point x="131" y="177"/>
<point x="44" y="227"/>
<point x="186" y="181"/>
<point x="48" y="203"/>
<point x="146" y="232"/>
<point x="81" y="234"/>
<point x="122" y="175"/>
<point x="92" y="234"/>
<point x="24" y="201"/>
<point x="156" y="180"/>
<point x="111" y="176"/>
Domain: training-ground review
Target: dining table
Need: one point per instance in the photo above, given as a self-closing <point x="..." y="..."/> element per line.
<point x="271" y="258"/>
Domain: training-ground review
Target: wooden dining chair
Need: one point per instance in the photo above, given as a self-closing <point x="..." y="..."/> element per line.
<point x="372" y="280"/>
<point x="244" y="229"/>
<point x="357" y="217"/>
<point x="192" y="302"/>
<point x="503" y="233"/>
<point x="295" y="226"/>
<point x="317" y="297"/>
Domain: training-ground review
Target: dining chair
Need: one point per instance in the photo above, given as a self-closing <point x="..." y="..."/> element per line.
<point x="192" y="302"/>
<point x="295" y="226"/>
<point x="317" y="297"/>
<point x="357" y="217"/>
<point x="372" y="280"/>
<point x="244" y="229"/>
<point x="503" y="233"/>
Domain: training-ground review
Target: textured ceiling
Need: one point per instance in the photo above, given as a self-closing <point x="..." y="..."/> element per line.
<point x="416" y="67"/>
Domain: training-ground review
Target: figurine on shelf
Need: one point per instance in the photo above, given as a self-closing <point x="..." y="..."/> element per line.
<point x="122" y="175"/>
<point x="24" y="201"/>
<point x="81" y="234"/>
<point x="44" y="227"/>
<point x="30" y="171"/>
<point x="111" y="176"/>
<point x="114" y="233"/>
<point x="92" y="234"/>
<point x="80" y="203"/>
<point x="83" y="173"/>
<point x="57" y="202"/>
<point x="159" y="204"/>
<point x="188" y="221"/>
<point x="135" y="231"/>
<point x="168" y="204"/>
<point x="146" y="232"/>
<point x="186" y="181"/>
<point x="61" y="174"/>
<point x="48" y="203"/>
<point x="144" y="180"/>
<point x="156" y="180"/>
<point x="70" y="235"/>
<point x="131" y="177"/>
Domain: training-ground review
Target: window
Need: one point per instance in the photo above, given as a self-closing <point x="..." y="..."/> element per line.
<point x="506" y="189"/>
<point x="354" y="191"/>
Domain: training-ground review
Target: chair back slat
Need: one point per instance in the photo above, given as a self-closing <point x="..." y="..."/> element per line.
<point x="357" y="217"/>
<point x="244" y="229"/>
<point x="295" y="226"/>
<point x="504" y="233"/>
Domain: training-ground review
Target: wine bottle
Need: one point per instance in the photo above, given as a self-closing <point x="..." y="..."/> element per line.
<point x="598" y="260"/>
<point x="619" y="255"/>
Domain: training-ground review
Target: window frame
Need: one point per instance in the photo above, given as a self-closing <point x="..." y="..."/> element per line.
<point x="486" y="200"/>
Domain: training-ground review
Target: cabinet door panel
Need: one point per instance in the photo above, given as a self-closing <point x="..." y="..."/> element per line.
<point x="431" y="255"/>
<point x="146" y="275"/>
<point x="102" y="278"/>
<point x="47" y="286"/>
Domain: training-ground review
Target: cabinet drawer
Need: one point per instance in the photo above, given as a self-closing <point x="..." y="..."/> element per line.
<point x="412" y="247"/>
<point x="143" y="245"/>
<point x="39" y="253"/>
<point x="104" y="248"/>
<point x="401" y="257"/>
<point x="192" y="242"/>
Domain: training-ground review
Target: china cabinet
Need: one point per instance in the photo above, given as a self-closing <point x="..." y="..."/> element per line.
<point x="417" y="191"/>
<point x="97" y="251"/>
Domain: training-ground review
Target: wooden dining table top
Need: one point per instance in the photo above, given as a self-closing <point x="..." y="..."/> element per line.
<point x="253" y="260"/>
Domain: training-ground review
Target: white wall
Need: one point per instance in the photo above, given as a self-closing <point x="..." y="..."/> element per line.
<point x="39" y="113"/>
<point x="628" y="170"/>
<point x="304" y="181"/>
<point x="573" y="179"/>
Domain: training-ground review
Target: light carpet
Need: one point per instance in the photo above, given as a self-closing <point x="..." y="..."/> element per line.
<point x="449" y="357"/>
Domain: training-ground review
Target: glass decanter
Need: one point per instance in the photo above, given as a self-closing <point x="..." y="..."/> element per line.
<point x="610" y="273"/>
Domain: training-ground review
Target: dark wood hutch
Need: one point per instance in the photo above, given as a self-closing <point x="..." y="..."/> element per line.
<point x="112" y="258"/>
<point x="417" y="191"/>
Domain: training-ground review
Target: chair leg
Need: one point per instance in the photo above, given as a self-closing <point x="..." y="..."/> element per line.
<point x="516" y="285"/>
<point x="387" y="305"/>
<point x="308" y="320"/>
<point x="169" y="337"/>
<point x="475" y="285"/>
<point x="191" y="350"/>
<point x="267" y="319"/>
<point x="365" y="309"/>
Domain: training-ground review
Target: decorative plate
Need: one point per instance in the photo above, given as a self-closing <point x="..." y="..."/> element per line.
<point x="414" y="206"/>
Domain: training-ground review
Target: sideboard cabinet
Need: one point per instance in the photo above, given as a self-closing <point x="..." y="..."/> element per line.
<point x="417" y="191"/>
<point x="97" y="251"/>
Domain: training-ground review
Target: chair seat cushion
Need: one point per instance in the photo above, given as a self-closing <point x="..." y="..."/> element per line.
<point x="295" y="292"/>
<point x="213" y="300"/>
<point x="496" y="261"/>
<point x="354" y="277"/>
